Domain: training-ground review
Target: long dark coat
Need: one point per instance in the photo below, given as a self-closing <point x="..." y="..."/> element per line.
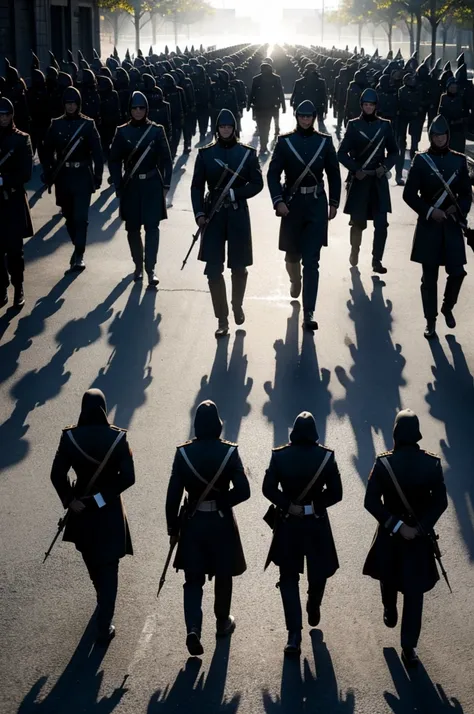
<point x="210" y="541"/>
<point x="408" y="566"/>
<point x="455" y="111"/>
<point x="291" y="468"/>
<point x="371" y="195"/>
<point x="89" y="151"/>
<point x="101" y="532"/>
<point x="438" y="243"/>
<point x="15" y="218"/>
<point x="142" y="202"/>
<point x="312" y="88"/>
<point x="308" y="217"/>
<point x="229" y="224"/>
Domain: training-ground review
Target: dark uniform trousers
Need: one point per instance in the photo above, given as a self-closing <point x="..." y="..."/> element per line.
<point x="310" y="255"/>
<point x="429" y="288"/>
<point x="264" y="120"/>
<point x="152" y="242"/>
<point x="194" y="583"/>
<point x="75" y="209"/>
<point x="12" y="262"/>
<point x="415" y="128"/>
<point x="216" y="282"/>
<point x="189" y="128"/>
<point x="290" y="593"/>
<point x="104" y="576"/>
<point x="412" y="613"/>
<point x="380" y="234"/>
<point x="203" y="119"/>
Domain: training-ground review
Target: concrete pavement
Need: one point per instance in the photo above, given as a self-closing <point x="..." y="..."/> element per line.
<point x="155" y="357"/>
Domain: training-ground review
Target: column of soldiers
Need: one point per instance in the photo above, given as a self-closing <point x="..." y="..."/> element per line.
<point x="165" y="97"/>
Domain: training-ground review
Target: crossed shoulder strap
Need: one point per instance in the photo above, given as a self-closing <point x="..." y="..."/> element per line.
<point x="209" y="484"/>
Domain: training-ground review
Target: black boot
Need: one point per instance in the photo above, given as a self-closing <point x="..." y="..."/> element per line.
<point x="293" y="646"/>
<point x="410" y="658"/>
<point x="356" y="240"/>
<point x="314" y="613"/>
<point x="309" y="323"/>
<point x="448" y="316"/>
<point x="377" y="267"/>
<point x="152" y="280"/>
<point x="239" y="283"/>
<point x="400" y="181"/>
<point x="138" y="273"/>
<point x="221" y="308"/>
<point x="225" y="627"/>
<point x="19" y="296"/>
<point x="294" y="271"/>
<point x="72" y="259"/>
<point x="193" y="643"/>
<point x="430" y="329"/>
<point x="390" y="616"/>
<point x="451" y="294"/>
<point x="79" y="264"/>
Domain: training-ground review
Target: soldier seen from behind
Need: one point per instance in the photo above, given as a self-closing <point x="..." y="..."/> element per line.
<point x="439" y="190"/>
<point x="209" y="541"/>
<point x="266" y="97"/>
<point x="97" y="524"/>
<point x="406" y="494"/>
<point x="368" y="150"/>
<point x="140" y="166"/>
<point x="302" y="481"/>
<point x="303" y="156"/>
<point x="73" y="163"/>
<point x="16" y="165"/>
<point x="232" y="174"/>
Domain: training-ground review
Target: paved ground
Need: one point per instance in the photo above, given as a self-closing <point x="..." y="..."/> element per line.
<point x="155" y="357"/>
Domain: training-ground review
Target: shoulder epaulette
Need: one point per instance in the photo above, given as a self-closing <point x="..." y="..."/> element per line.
<point x="458" y="153"/>
<point x="247" y="146"/>
<point x="229" y="443"/>
<point x="323" y="133"/>
<point x="118" y="428"/>
<point x="208" y="146"/>
<point x="186" y="443"/>
<point x="122" y="126"/>
<point x="280" y="448"/>
<point x="288" y="133"/>
<point x="68" y="428"/>
<point x="434" y="456"/>
<point x="384" y="453"/>
<point x="326" y="448"/>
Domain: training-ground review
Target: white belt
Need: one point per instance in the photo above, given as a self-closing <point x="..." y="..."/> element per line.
<point x="308" y="189"/>
<point x="207" y="506"/>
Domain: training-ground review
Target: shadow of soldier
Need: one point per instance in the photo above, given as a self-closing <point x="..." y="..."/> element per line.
<point x="451" y="400"/>
<point x="77" y="689"/>
<point x="133" y="334"/>
<point x="373" y="394"/>
<point x="46" y="240"/>
<point x="228" y="386"/>
<point x="298" y="385"/>
<point x="38" y="386"/>
<point x="179" y="169"/>
<point x="417" y="694"/>
<point x="193" y="693"/>
<point x="307" y="692"/>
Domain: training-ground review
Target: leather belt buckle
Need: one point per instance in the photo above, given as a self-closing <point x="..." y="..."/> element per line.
<point x="77" y="164"/>
<point x="142" y="176"/>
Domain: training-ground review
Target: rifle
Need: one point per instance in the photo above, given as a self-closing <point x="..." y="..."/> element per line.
<point x="434" y="537"/>
<point x="173" y="544"/>
<point x="61" y="525"/>
<point x="218" y="203"/>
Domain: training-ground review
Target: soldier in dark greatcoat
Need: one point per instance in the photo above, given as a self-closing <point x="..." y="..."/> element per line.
<point x="97" y="523"/>
<point x="227" y="166"/>
<point x="159" y="111"/>
<point x="303" y="156"/>
<point x="202" y="91"/>
<point x="313" y="87"/>
<point x="110" y="113"/>
<point x="439" y="238"/>
<point x="142" y="148"/>
<point x="401" y="556"/>
<point x="71" y="146"/>
<point x="453" y="108"/>
<point x="209" y="540"/>
<point x="302" y="527"/>
<point x="38" y="108"/>
<point x="16" y="164"/>
<point x="266" y="96"/>
<point x="368" y="151"/>
<point x="411" y="118"/>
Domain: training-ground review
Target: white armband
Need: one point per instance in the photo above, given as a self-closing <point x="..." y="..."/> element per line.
<point x="99" y="500"/>
<point x="397" y="527"/>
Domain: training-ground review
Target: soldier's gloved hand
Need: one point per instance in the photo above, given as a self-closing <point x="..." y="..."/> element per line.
<point x="281" y="209"/>
<point x="360" y="175"/>
<point x="438" y="215"/>
<point x="450" y="211"/>
<point x="332" y="212"/>
<point x="97" y="183"/>
<point x="76" y="506"/>
<point x="408" y="532"/>
<point x="380" y="171"/>
<point x="296" y="510"/>
<point x="201" y="221"/>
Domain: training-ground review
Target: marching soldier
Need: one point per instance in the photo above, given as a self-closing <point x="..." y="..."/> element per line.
<point x="411" y="118"/>
<point x="303" y="155"/>
<point x="265" y="98"/>
<point x="313" y="87"/>
<point x="232" y="173"/>
<point x="16" y="165"/>
<point x="302" y="481"/>
<point x="406" y="494"/>
<point x="142" y="148"/>
<point x="71" y="147"/>
<point x="209" y="540"/>
<point x="101" y="458"/>
<point x="38" y="108"/>
<point x="109" y="112"/>
<point x="368" y="150"/>
<point x="438" y="189"/>
<point x="453" y="108"/>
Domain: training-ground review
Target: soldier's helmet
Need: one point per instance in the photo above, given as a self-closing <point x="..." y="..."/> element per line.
<point x="6" y="107"/>
<point x="306" y="108"/>
<point x="137" y="100"/>
<point x="71" y="94"/>
<point x="439" y="125"/>
<point x="369" y="95"/>
<point x="225" y="118"/>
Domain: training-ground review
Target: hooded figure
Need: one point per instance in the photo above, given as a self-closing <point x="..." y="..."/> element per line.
<point x="401" y="556"/>
<point x="453" y="108"/>
<point x="110" y="113"/>
<point x="38" y="109"/>
<point x="174" y="95"/>
<point x="90" y="95"/>
<point x="159" y="110"/>
<point x="412" y="109"/>
<point x="387" y="93"/>
<point x="354" y="91"/>
<point x="15" y="91"/>
<point x="122" y="85"/>
<point x="313" y="87"/>
<point x="266" y="97"/>
<point x="223" y="96"/>
<point x="209" y="540"/>
<point x="97" y="523"/>
<point x="302" y="481"/>
<point x="202" y="93"/>
<point x="438" y="239"/>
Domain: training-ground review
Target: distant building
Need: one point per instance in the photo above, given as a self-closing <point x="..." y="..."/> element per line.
<point x="41" y="25"/>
